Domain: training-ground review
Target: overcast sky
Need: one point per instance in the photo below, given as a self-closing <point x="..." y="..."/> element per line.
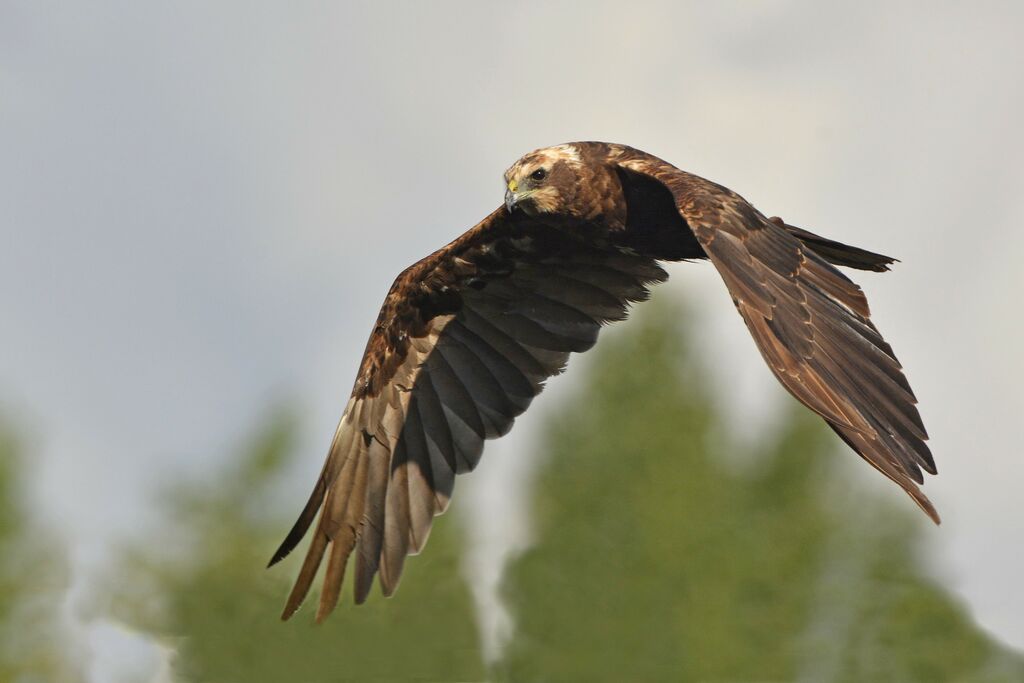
<point x="203" y="204"/>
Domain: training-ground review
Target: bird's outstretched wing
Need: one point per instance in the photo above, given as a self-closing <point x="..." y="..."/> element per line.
<point x="464" y="341"/>
<point x="810" y="322"/>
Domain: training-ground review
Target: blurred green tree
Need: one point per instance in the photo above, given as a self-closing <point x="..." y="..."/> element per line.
<point x="34" y="579"/>
<point x="656" y="559"/>
<point x="203" y="590"/>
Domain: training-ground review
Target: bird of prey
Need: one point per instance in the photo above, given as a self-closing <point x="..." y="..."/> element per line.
<point x="468" y="335"/>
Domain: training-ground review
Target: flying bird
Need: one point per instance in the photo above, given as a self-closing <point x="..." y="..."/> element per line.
<point x="468" y="335"/>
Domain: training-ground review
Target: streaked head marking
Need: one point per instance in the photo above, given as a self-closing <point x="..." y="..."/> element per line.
<point x="536" y="183"/>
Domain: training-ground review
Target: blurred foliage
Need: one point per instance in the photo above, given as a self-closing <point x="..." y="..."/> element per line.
<point x="204" y="591"/>
<point x="658" y="560"/>
<point x="33" y="581"/>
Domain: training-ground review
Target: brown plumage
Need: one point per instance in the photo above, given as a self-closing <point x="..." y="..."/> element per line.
<point x="468" y="336"/>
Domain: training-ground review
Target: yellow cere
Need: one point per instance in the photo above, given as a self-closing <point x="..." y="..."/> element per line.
<point x="513" y="185"/>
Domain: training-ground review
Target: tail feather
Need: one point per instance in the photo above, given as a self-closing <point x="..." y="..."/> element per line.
<point x="837" y="253"/>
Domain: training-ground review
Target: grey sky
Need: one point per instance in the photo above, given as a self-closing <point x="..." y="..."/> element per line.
<point x="202" y="205"/>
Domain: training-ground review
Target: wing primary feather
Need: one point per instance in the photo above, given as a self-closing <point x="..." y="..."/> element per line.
<point x="397" y="523"/>
<point x="301" y="525"/>
<point x="340" y="446"/>
<point x="307" y="573"/>
<point x="420" y="479"/>
<point x="867" y="356"/>
<point x="859" y="444"/>
<point x="343" y="539"/>
<point x="807" y="388"/>
<point x="371" y="534"/>
<point x="327" y="526"/>
<point x="874" y="387"/>
<point x="435" y="425"/>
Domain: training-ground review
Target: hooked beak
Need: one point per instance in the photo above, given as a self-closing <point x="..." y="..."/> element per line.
<point x="510" y="200"/>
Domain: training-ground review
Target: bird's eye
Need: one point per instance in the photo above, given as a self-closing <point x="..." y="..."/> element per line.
<point x="539" y="174"/>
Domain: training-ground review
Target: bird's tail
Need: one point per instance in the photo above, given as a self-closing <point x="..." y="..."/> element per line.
<point x="837" y="253"/>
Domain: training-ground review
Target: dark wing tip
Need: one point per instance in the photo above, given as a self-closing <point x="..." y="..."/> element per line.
<point x="288" y="545"/>
<point x="279" y="555"/>
<point x="904" y="477"/>
<point x="301" y="524"/>
<point x="925" y="459"/>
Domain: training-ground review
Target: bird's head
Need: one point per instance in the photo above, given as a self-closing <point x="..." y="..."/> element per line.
<point x="544" y="181"/>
